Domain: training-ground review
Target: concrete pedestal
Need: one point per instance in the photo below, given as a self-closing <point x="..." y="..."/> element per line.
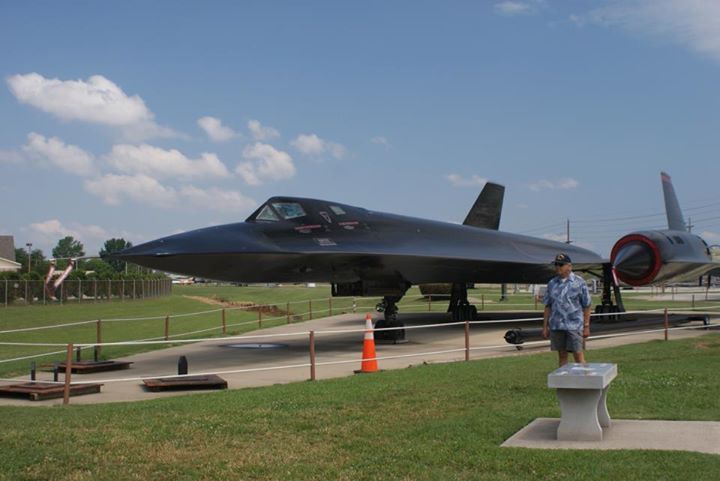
<point x="582" y="391"/>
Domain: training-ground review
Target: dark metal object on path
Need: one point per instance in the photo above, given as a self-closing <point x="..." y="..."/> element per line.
<point x="182" y="366"/>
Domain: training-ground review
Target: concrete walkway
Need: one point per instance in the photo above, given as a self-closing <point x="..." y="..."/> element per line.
<point x="698" y="436"/>
<point x="291" y="348"/>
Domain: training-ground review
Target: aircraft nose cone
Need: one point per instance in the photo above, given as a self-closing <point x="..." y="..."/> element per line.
<point x="219" y="240"/>
<point x="634" y="261"/>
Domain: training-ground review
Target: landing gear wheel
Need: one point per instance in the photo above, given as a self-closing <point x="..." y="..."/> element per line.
<point x="389" y="307"/>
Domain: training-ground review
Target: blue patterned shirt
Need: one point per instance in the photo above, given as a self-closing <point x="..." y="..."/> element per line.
<point x="567" y="298"/>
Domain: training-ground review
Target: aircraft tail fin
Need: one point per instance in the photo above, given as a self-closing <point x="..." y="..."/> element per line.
<point x="486" y="210"/>
<point x="672" y="207"/>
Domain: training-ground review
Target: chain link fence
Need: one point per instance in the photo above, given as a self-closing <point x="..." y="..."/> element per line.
<point x="28" y="292"/>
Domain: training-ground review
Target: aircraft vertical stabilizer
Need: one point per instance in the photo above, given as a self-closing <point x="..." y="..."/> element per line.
<point x="487" y="208"/>
<point x="672" y="207"/>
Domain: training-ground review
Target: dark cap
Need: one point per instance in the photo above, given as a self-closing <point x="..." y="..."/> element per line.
<point x="562" y="259"/>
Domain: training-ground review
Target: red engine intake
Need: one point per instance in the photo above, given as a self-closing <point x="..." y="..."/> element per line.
<point x="636" y="259"/>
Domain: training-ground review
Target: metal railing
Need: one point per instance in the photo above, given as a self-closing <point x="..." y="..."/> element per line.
<point x="463" y="351"/>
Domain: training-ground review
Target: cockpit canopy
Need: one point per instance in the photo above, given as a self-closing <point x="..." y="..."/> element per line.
<point x="279" y="209"/>
<point x="274" y="211"/>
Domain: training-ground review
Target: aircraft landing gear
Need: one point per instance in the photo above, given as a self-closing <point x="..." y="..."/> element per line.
<point x="389" y="307"/>
<point x="460" y="308"/>
<point x="607" y="305"/>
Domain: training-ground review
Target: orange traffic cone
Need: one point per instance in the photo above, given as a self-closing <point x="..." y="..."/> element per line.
<point x="369" y="363"/>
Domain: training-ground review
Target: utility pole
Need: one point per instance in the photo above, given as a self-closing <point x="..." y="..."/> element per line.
<point x="29" y="248"/>
<point x="567" y="232"/>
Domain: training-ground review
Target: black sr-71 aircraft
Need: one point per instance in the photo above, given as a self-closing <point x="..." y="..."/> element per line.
<point x="362" y="252"/>
<point x="366" y="253"/>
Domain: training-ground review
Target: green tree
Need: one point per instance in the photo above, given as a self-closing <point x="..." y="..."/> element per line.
<point x="115" y="245"/>
<point x="98" y="269"/>
<point x="37" y="259"/>
<point x="68" y="247"/>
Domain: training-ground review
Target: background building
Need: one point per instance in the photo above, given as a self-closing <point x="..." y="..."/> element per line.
<point x="7" y="254"/>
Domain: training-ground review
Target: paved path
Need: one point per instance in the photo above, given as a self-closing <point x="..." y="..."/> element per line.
<point x="220" y="355"/>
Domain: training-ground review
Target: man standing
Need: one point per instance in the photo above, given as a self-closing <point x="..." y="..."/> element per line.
<point x="566" y="321"/>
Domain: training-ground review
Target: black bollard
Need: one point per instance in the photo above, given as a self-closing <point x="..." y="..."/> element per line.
<point x="182" y="366"/>
<point x="32" y="371"/>
<point x="56" y="367"/>
<point x="96" y="353"/>
<point x="78" y="354"/>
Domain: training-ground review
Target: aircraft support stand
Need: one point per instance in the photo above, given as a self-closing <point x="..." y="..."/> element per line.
<point x="460" y="307"/>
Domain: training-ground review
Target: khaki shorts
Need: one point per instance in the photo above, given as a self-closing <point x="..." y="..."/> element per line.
<point x="568" y="341"/>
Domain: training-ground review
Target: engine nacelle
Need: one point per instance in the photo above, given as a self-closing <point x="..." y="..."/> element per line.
<point x="651" y="257"/>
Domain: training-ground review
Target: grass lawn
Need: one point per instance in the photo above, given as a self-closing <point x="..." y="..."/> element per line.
<point x="435" y="422"/>
<point x="299" y="300"/>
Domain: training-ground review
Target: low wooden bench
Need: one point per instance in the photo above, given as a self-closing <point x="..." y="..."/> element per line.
<point x="181" y="383"/>
<point x="582" y="391"/>
<point x="39" y="391"/>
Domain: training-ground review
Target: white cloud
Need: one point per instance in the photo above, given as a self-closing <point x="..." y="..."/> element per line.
<point x="458" y="180"/>
<point x="69" y="158"/>
<point x="263" y="163"/>
<point x="262" y="132"/>
<point x="567" y="183"/>
<point x="142" y="189"/>
<point x="217" y="199"/>
<point x="312" y="145"/>
<point x="214" y="128"/>
<point x="96" y="100"/>
<point x="514" y="8"/>
<point x="564" y="183"/>
<point x="160" y="163"/>
<point x="692" y="23"/>
<point x="112" y="189"/>
<point x="380" y="140"/>
<point x="45" y="234"/>
<point x="53" y="229"/>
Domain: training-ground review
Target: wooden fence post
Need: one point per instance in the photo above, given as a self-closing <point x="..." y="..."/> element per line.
<point x="312" y="355"/>
<point x="259" y="317"/>
<point x="482" y="302"/>
<point x="330" y="306"/>
<point x="287" y="312"/>
<point x="429" y="302"/>
<point x="68" y="373"/>
<point x="167" y="327"/>
<point x="310" y="309"/>
<point x="224" y="324"/>
<point x="98" y="337"/>
<point x="666" y="322"/>
<point x="467" y="340"/>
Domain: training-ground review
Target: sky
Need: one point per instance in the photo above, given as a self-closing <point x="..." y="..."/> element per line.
<point x="143" y="119"/>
